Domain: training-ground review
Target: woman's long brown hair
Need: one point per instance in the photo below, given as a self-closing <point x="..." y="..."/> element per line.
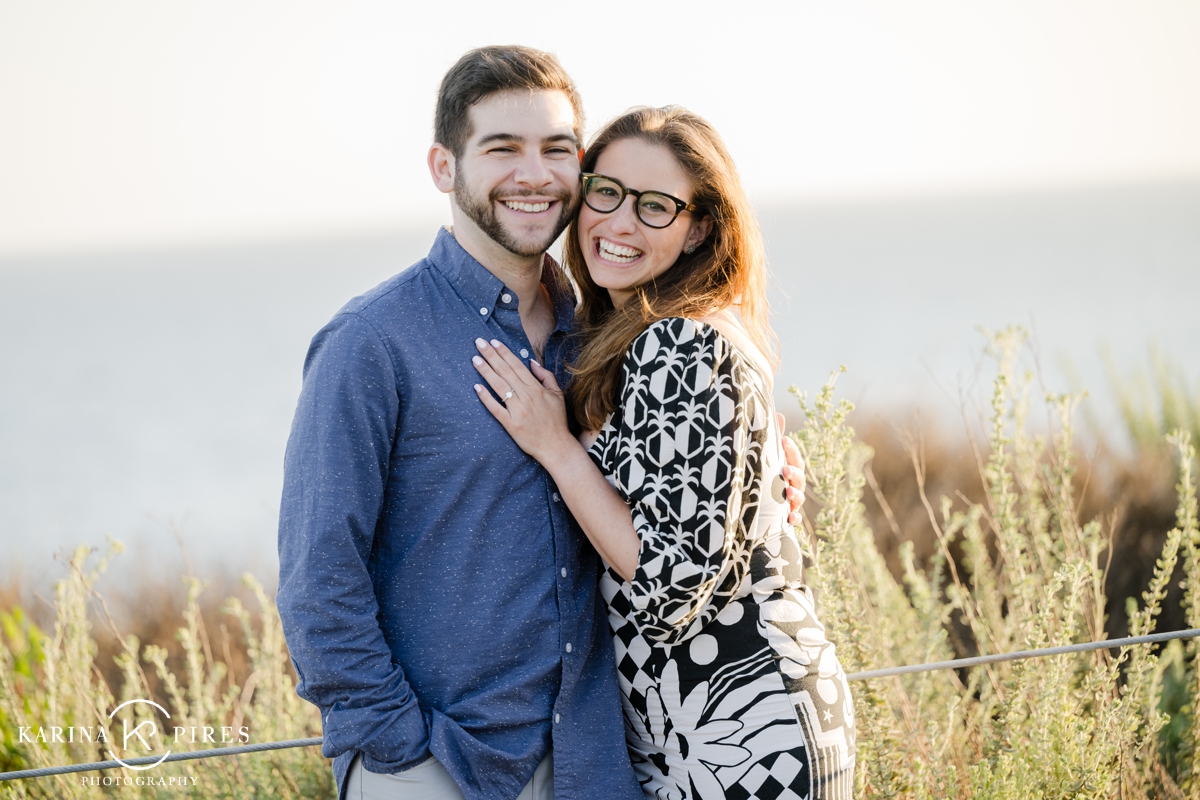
<point x="726" y="270"/>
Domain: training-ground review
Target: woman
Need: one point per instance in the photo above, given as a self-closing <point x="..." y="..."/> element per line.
<point x="730" y="687"/>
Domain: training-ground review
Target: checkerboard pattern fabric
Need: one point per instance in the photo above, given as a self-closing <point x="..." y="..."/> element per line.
<point x="730" y="687"/>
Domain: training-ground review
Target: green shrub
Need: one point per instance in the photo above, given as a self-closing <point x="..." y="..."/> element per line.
<point x="1030" y="575"/>
<point x="53" y="680"/>
<point x="1014" y="569"/>
<point x="1155" y="403"/>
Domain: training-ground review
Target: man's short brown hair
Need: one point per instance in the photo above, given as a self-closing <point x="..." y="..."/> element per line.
<point x="488" y="70"/>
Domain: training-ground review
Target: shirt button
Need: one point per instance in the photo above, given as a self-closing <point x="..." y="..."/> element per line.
<point x="568" y="647"/>
<point x="524" y="353"/>
<point x="557" y="718"/>
<point x="564" y="572"/>
<point x="506" y="297"/>
<point x="483" y="311"/>
<point x="556" y="497"/>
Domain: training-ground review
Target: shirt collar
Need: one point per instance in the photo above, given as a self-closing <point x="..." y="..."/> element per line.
<point x="479" y="287"/>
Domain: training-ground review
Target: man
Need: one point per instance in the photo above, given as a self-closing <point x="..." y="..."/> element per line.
<point x="439" y="607"/>
<point x="439" y="603"/>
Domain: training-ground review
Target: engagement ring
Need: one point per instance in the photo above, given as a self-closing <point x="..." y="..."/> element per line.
<point x="508" y="394"/>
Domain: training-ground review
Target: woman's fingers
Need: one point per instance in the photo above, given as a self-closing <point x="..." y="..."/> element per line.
<point x="495" y="362"/>
<point x="491" y="404"/>
<point x="499" y="385"/>
<point x="530" y="407"/>
<point x="502" y="360"/>
<point x="793" y="473"/>
<point x="791" y="453"/>
<point x="544" y="376"/>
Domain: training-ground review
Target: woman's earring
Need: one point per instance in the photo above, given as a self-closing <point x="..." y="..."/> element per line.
<point x="691" y="248"/>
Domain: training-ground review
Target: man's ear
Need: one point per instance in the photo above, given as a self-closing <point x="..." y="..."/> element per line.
<point x="441" y="167"/>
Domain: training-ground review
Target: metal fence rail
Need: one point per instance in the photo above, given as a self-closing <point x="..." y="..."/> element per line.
<point x="215" y="752"/>
<point x="958" y="663"/>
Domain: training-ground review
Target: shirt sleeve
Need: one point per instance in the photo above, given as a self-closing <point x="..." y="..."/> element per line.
<point x="678" y="453"/>
<point x="335" y="471"/>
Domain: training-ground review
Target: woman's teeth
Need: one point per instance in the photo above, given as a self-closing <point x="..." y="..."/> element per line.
<point x="531" y="208"/>
<point x="618" y="253"/>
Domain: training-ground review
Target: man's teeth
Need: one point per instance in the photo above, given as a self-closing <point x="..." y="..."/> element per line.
<point x="617" y="252"/>
<point x="531" y="208"/>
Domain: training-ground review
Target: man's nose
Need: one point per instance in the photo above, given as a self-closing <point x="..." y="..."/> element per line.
<point x="534" y="172"/>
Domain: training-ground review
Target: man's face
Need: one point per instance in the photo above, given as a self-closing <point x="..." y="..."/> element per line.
<point x="518" y="176"/>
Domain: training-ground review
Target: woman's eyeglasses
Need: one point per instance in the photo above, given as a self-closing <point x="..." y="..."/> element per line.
<point x="654" y="209"/>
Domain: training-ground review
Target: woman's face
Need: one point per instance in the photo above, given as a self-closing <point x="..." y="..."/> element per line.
<point x="620" y="250"/>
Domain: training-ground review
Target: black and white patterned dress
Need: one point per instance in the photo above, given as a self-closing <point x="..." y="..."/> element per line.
<point x="730" y="687"/>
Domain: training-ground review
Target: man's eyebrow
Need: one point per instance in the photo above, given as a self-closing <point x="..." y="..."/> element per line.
<point x="500" y="137"/>
<point x="517" y="139"/>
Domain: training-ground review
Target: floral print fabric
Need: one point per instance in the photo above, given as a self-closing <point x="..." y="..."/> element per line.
<point x="730" y="688"/>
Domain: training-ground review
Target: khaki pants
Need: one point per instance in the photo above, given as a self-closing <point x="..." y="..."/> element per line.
<point x="430" y="781"/>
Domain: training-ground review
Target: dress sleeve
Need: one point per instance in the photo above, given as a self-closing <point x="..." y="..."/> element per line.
<point x="677" y="454"/>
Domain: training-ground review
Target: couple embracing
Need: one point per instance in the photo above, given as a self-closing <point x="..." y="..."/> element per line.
<point x="535" y="539"/>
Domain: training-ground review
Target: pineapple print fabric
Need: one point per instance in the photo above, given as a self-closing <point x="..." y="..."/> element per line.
<point x="729" y="686"/>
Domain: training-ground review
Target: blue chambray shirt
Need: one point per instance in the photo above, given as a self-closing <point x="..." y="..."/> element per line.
<point x="436" y="596"/>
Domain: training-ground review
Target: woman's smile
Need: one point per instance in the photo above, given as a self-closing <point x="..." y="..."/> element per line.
<point x="615" y="253"/>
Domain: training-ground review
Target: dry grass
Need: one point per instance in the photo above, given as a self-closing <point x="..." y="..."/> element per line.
<point x="222" y="638"/>
<point x="925" y="544"/>
<point x="1133" y="497"/>
<point x="1014" y="559"/>
<point x="74" y="673"/>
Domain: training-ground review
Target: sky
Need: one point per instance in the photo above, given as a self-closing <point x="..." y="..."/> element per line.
<point x="138" y="123"/>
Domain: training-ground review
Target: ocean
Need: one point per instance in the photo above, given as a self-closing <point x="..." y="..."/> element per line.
<point x="147" y="395"/>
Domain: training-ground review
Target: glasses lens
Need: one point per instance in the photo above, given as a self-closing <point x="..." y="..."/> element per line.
<point x="656" y="210"/>
<point x="603" y="194"/>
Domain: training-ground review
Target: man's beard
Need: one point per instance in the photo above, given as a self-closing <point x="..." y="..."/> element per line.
<point x="482" y="211"/>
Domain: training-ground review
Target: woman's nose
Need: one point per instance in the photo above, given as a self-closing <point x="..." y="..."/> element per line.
<point x="624" y="218"/>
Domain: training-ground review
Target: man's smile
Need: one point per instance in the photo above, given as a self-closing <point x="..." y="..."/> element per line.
<point x="528" y="208"/>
